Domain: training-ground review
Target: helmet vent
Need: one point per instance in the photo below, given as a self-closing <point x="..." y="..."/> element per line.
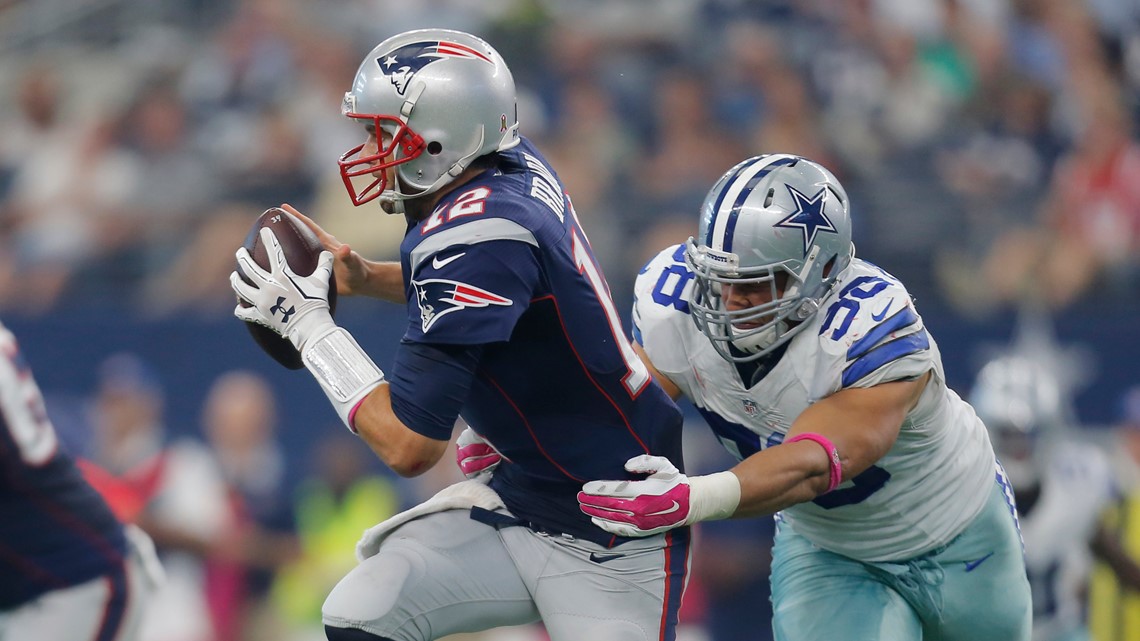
<point x="837" y="194"/>
<point x="434" y="148"/>
<point x="768" y="198"/>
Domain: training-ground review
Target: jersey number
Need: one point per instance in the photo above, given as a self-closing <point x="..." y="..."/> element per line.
<point x="637" y="375"/>
<point x="469" y="203"/>
<point x="23" y="411"/>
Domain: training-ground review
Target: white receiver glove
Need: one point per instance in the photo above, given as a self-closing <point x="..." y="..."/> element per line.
<point x="297" y="307"/>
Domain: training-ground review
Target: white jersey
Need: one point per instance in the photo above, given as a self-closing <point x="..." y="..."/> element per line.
<point x="929" y="486"/>
<point x="1076" y="486"/>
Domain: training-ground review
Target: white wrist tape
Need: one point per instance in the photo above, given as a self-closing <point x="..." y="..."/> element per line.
<point x="343" y="370"/>
<point x="713" y="496"/>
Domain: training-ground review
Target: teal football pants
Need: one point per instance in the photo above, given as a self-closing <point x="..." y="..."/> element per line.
<point x="972" y="589"/>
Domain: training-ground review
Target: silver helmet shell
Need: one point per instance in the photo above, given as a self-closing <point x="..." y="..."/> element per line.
<point x="776" y="220"/>
<point x="1021" y="401"/>
<point x="443" y="98"/>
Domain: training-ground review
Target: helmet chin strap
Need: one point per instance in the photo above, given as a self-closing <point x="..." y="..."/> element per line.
<point x="762" y="339"/>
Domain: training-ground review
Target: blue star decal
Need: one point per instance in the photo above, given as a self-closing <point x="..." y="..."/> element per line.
<point x="808" y="216"/>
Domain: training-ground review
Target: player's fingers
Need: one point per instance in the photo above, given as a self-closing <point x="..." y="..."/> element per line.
<point x="648" y="464"/>
<point x="250" y="268"/>
<point x="326" y="239"/>
<point x="277" y="262"/>
<point x="325" y="264"/>
<point x="244" y="290"/>
<point x="251" y="315"/>
<point x="608" y="488"/>
<point x="620" y="529"/>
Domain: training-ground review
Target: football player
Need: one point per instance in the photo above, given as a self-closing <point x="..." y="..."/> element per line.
<point x="69" y="568"/>
<point x="1062" y="487"/>
<point x="510" y="324"/>
<point x="813" y="367"/>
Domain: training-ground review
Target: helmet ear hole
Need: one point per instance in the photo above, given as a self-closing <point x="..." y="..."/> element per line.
<point x="829" y="266"/>
<point x="434" y="148"/>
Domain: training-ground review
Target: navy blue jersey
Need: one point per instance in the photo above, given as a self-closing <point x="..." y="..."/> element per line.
<point x="55" y="529"/>
<point x="502" y="263"/>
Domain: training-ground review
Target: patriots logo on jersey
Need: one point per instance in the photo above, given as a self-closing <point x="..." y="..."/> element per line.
<point x="808" y="216"/>
<point x="403" y="63"/>
<point x="438" y="297"/>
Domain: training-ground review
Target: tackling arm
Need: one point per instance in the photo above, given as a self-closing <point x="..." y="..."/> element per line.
<point x="856" y="427"/>
<point x="861" y="423"/>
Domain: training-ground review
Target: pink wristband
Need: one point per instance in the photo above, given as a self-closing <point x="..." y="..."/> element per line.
<point x="832" y="455"/>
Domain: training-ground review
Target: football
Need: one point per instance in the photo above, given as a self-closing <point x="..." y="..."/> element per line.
<point x="302" y="250"/>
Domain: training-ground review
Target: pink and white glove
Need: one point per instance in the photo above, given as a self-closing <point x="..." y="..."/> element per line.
<point x="475" y="456"/>
<point x="665" y="500"/>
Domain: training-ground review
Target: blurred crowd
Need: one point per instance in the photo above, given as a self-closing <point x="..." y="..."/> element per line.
<point x="981" y="140"/>
<point x="988" y="147"/>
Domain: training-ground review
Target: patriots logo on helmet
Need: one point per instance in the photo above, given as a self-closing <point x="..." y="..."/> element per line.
<point x="401" y="64"/>
<point x="438" y="297"/>
<point x="808" y="216"/>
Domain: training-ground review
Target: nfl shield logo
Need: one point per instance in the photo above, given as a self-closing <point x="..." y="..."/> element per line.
<point x="750" y="407"/>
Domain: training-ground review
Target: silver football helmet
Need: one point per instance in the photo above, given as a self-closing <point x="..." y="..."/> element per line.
<point x="779" y="221"/>
<point x="1021" y="402"/>
<point x="443" y="98"/>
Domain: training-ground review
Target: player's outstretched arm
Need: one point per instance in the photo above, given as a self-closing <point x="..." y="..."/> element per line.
<point x="356" y="275"/>
<point x="835" y="439"/>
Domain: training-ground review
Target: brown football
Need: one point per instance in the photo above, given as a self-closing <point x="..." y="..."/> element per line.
<point x="302" y="251"/>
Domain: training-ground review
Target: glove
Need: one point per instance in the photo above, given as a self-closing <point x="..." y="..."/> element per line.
<point x="665" y="500"/>
<point x="475" y="456"/>
<point x="297" y="307"/>
<point x="639" y="508"/>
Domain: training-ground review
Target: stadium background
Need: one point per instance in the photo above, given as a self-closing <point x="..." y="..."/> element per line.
<point x="988" y="147"/>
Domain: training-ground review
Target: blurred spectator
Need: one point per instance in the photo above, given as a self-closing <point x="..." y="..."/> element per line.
<point x="184" y="504"/>
<point x="239" y="420"/>
<point x="334" y="505"/>
<point x="65" y="179"/>
<point x="1089" y="230"/>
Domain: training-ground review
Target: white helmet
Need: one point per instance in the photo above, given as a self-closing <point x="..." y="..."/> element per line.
<point x="444" y="97"/>
<point x="779" y="220"/>
<point x="1021" y="401"/>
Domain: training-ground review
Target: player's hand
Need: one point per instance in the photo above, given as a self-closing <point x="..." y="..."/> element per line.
<point x="475" y="456"/>
<point x="351" y="268"/>
<point x="639" y="508"/>
<point x="296" y="307"/>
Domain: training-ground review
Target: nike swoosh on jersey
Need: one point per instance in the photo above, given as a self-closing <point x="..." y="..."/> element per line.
<point x="676" y="506"/>
<point x="436" y="263"/>
<point x="970" y="565"/>
<point x="876" y="317"/>
<point x="602" y="558"/>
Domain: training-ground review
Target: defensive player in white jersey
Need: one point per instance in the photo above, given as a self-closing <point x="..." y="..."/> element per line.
<point x="894" y="521"/>
<point x="1062" y="486"/>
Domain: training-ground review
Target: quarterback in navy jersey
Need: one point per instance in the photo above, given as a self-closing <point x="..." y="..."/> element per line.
<point x="511" y="325"/>
<point x="68" y="569"/>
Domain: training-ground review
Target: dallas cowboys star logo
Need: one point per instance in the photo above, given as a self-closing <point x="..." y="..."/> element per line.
<point x="808" y="216"/>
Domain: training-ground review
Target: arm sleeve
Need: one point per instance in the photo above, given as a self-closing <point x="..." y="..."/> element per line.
<point x="429" y="384"/>
<point x="472" y="294"/>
